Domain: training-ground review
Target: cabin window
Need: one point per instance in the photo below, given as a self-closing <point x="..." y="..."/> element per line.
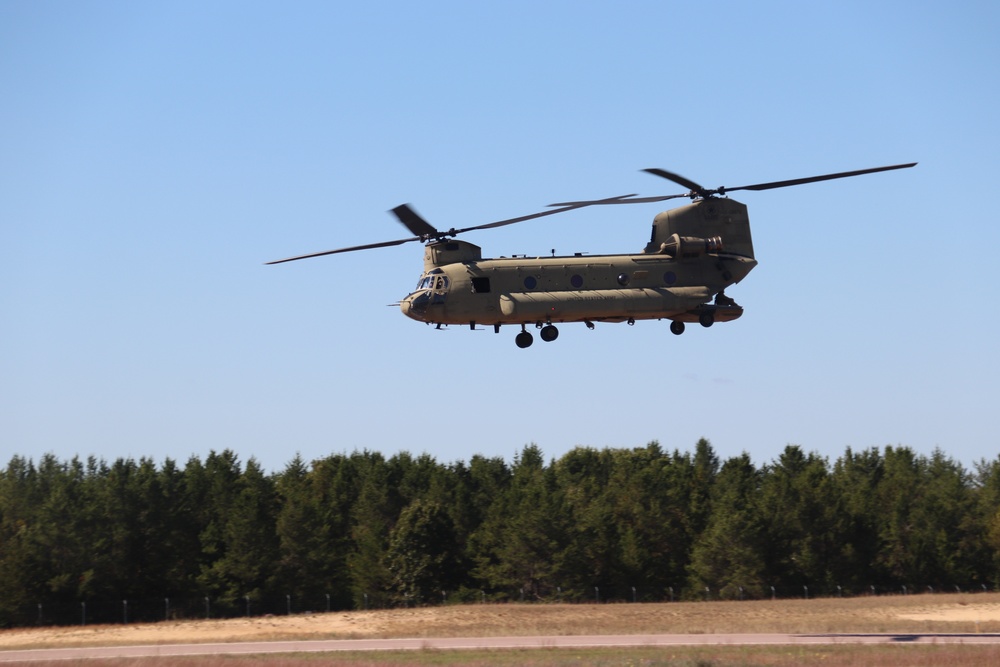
<point x="576" y="281"/>
<point x="530" y="282"/>
<point x="481" y="285"/>
<point x="670" y="277"/>
<point x="623" y="279"/>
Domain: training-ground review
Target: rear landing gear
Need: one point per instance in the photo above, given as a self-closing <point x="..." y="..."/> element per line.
<point x="676" y="328"/>
<point x="549" y="333"/>
<point x="524" y="339"/>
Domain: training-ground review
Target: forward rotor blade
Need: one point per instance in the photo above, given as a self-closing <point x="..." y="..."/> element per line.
<point x="425" y="231"/>
<point x="678" y="179"/>
<point x="814" y="179"/>
<point x="369" y="246"/>
<point x="413" y="221"/>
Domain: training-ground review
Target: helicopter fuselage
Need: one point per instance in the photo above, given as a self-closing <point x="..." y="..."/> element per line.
<point x="579" y="288"/>
<point x="687" y="262"/>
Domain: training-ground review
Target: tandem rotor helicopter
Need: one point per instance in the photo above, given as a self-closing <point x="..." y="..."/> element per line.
<point x="695" y="252"/>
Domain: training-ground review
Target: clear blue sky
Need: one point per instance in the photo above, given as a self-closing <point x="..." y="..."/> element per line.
<point x="154" y="155"/>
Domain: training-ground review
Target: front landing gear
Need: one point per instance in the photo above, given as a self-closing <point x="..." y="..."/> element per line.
<point x="676" y="328"/>
<point x="524" y="339"/>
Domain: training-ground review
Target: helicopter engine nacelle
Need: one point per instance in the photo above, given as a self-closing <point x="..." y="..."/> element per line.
<point x="681" y="247"/>
<point x="712" y="218"/>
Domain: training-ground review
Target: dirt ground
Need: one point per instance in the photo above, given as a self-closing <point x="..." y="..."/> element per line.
<point x="955" y="613"/>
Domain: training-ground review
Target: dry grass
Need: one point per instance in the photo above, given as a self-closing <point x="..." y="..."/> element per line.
<point x="953" y="613"/>
<point x="722" y="656"/>
<point x="957" y="613"/>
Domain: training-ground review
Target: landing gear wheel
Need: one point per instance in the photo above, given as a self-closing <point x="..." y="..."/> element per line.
<point x="707" y="319"/>
<point x="676" y="328"/>
<point x="524" y="339"/>
<point x="549" y="333"/>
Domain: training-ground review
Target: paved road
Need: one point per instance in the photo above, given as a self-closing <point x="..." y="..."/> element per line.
<point x="482" y="643"/>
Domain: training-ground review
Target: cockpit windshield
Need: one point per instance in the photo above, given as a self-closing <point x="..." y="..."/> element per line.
<point x="437" y="283"/>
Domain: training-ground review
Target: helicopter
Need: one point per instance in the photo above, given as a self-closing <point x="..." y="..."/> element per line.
<point x="694" y="254"/>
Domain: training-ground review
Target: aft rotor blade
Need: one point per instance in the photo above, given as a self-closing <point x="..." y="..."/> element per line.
<point x="369" y="246"/>
<point x="814" y="179"/>
<point x="562" y="209"/>
<point x="626" y="199"/>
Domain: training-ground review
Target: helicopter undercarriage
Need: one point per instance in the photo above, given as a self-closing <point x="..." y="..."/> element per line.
<point x="723" y="310"/>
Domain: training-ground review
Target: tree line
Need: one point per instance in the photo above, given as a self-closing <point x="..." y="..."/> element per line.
<point x="363" y="530"/>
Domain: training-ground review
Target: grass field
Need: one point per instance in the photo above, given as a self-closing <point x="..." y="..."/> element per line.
<point x="918" y="614"/>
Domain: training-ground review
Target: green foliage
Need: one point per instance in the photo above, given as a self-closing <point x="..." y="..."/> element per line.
<point x="422" y="557"/>
<point x="729" y="554"/>
<point x="794" y="504"/>
<point x="609" y="524"/>
<point x="520" y="543"/>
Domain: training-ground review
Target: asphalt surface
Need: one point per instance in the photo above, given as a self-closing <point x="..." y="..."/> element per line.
<point x="483" y="643"/>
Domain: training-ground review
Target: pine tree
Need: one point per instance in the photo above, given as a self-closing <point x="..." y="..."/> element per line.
<point x="729" y="555"/>
<point x="422" y="558"/>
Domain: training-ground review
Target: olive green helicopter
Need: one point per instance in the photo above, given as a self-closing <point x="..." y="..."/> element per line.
<point x="695" y="252"/>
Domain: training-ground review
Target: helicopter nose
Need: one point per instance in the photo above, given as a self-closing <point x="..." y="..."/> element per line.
<point x="415" y="305"/>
